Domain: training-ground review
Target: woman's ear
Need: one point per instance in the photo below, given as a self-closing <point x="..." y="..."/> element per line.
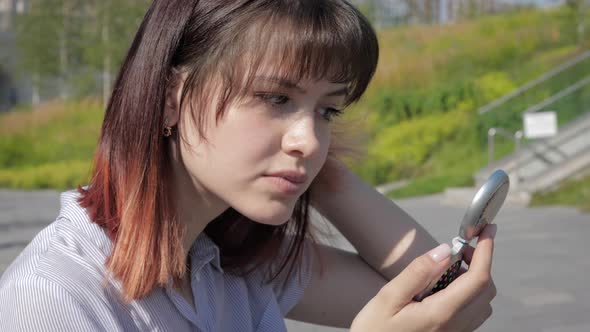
<point x="173" y="94"/>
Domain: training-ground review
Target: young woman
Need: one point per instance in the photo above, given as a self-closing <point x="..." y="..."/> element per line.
<point x="216" y="142"/>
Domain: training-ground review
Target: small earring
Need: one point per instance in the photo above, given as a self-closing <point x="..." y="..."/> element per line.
<point x="167" y="131"/>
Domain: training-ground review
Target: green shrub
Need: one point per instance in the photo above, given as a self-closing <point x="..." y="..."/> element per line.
<point x="571" y="193"/>
<point x="60" y="175"/>
<point x="427" y="72"/>
<point x="402" y="149"/>
<point x="49" y="147"/>
<point x="493" y="85"/>
<point x="55" y="132"/>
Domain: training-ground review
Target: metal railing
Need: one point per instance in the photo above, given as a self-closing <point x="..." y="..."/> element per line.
<point x="518" y="135"/>
<point x="497" y="102"/>
<point x="563" y="93"/>
<point x="492" y="132"/>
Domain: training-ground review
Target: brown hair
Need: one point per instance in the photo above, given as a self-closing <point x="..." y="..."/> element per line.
<point x="129" y="194"/>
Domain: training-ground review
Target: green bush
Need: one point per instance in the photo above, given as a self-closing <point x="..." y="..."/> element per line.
<point x="49" y="147"/>
<point x="573" y="193"/>
<point x="493" y="85"/>
<point x="60" y="175"/>
<point x="427" y="72"/>
<point x="402" y="149"/>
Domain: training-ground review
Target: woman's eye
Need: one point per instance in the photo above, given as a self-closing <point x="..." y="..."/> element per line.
<point x="273" y="99"/>
<point x="329" y="112"/>
<point x="277" y="100"/>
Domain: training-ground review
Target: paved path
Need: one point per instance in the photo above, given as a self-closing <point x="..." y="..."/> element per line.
<point x="541" y="265"/>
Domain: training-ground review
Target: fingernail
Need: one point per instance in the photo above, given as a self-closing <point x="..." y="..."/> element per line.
<point x="440" y="253"/>
<point x="494" y="230"/>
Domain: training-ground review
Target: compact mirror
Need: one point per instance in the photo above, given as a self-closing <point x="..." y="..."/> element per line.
<point x="486" y="204"/>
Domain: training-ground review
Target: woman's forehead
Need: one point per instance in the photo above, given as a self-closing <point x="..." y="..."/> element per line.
<point x="285" y="60"/>
<point x="290" y="75"/>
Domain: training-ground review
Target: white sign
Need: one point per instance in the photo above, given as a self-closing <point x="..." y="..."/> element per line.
<point x="540" y="124"/>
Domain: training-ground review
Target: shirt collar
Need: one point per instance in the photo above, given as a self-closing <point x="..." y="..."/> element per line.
<point x="203" y="251"/>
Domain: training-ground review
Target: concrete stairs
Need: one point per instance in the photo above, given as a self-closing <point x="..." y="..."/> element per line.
<point x="539" y="166"/>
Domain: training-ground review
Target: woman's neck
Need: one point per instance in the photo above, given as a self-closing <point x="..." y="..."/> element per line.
<point x="195" y="206"/>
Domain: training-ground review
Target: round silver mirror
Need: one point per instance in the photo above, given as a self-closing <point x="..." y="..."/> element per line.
<point x="487" y="202"/>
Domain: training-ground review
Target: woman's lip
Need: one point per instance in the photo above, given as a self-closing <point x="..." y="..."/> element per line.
<point x="284" y="185"/>
<point x="292" y="176"/>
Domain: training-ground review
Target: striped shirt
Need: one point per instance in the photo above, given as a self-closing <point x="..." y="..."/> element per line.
<point x="56" y="284"/>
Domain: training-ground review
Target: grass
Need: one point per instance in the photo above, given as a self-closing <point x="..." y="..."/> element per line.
<point x="61" y="175"/>
<point x="453" y="165"/>
<point x="49" y="147"/>
<point x="427" y="185"/>
<point x="574" y="193"/>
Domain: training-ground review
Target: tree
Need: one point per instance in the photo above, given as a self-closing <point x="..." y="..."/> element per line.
<point x="37" y="35"/>
<point x="369" y="9"/>
<point x="105" y="49"/>
<point x="72" y="40"/>
<point x="577" y="8"/>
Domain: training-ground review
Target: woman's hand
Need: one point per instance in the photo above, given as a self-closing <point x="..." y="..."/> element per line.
<point x="463" y="306"/>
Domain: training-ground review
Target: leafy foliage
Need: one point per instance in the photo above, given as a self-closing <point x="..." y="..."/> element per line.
<point x="63" y="44"/>
<point x="50" y="147"/>
<point x="400" y="151"/>
<point x="430" y="82"/>
<point x="421" y="107"/>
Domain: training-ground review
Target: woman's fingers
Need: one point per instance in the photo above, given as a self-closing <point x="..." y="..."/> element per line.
<point x="468" y="254"/>
<point x="479" y="303"/>
<point x="463" y="306"/>
<point x="481" y="262"/>
<point x="476" y="280"/>
<point x="469" y="250"/>
<point x="475" y="312"/>
<point x="414" y="278"/>
<point x="462" y="271"/>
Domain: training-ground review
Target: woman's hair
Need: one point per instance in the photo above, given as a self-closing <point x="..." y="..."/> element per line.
<point x="219" y="44"/>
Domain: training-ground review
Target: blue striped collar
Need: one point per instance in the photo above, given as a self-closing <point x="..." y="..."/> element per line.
<point x="203" y="251"/>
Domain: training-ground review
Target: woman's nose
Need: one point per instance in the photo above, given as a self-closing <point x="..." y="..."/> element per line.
<point x="303" y="137"/>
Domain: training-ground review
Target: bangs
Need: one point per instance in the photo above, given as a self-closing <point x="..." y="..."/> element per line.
<point x="314" y="40"/>
<point x="287" y="40"/>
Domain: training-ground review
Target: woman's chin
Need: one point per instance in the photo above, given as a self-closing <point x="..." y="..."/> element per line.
<point x="268" y="211"/>
<point x="269" y="216"/>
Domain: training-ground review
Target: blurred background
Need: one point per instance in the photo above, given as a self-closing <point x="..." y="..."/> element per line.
<point x="428" y="113"/>
<point x="463" y="87"/>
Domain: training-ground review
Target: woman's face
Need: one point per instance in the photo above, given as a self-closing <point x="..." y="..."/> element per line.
<point x="264" y="152"/>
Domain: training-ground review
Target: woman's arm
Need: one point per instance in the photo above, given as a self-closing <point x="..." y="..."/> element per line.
<point x="385" y="236"/>
<point x="340" y="286"/>
<point x="394" y="247"/>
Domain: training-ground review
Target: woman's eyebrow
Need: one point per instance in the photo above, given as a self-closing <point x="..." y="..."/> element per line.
<point x="339" y="92"/>
<point x="282" y="82"/>
<point x="292" y="85"/>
